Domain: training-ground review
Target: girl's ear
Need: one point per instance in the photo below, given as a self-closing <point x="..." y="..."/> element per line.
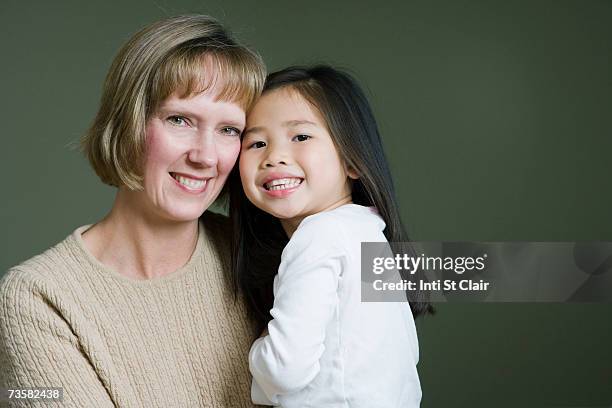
<point x="352" y="173"/>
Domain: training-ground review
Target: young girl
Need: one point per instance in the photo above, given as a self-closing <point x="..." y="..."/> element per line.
<point x="313" y="170"/>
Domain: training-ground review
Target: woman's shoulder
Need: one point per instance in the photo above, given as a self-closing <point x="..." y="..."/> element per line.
<point x="50" y="266"/>
<point x="19" y="287"/>
<point x="36" y="280"/>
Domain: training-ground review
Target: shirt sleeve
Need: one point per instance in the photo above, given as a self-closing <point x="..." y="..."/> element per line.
<point x="258" y="396"/>
<point x="305" y="300"/>
<point x="39" y="349"/>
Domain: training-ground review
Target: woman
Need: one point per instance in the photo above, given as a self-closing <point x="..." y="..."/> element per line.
<point x="137" y="310"/>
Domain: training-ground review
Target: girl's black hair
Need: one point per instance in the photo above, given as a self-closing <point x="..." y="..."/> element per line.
<point x="259" y="238"/>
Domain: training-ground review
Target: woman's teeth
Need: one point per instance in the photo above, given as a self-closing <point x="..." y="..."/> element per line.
<point x="283" y="184"/>
<point x="189" y="182"/>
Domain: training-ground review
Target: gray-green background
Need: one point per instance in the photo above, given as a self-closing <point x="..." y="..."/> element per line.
<point x="497" y="122"/>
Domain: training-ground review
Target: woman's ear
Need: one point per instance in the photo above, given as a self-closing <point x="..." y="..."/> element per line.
<point x="352" y="173"/>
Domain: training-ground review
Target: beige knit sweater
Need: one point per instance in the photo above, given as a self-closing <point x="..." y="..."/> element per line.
<point x="180" y="340"/>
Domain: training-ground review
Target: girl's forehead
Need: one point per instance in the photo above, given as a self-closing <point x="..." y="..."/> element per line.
<point x="283" y="103"/>
<point x="282" y="109"/>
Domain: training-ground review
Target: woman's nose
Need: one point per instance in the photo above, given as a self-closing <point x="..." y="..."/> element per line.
<point x="204" y="152"/>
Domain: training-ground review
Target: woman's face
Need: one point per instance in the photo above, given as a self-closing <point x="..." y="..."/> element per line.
<point x="192" y="144"/>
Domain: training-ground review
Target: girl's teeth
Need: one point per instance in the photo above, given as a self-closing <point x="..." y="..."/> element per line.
<point x="283" y="184"/>
<point x="191" y="183"/>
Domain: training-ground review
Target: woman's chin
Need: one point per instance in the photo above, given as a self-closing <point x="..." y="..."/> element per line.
<point x="182" y="213"/>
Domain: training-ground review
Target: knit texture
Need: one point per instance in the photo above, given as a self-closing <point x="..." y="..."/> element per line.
<point x="180" y="340"/>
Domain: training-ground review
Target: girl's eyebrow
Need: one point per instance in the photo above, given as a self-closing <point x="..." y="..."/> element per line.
<point x="254" y="129"/>
<point x="286" y="124"/>
<point x="291" y="123"/>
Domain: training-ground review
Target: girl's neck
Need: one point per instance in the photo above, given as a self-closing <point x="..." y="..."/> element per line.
<point x="290" y="225"/>
<point x="138" y="245"/>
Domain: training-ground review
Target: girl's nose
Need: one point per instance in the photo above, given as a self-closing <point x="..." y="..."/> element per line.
<point x="270" y="163"/>
<point x="276" y="157"/>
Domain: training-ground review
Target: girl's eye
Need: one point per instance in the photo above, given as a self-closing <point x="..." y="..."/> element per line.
<point x="257" y="145"/>
<point x="178" y="120"/>
<point x="301" y="138"/>
<point x="231" y="131"/>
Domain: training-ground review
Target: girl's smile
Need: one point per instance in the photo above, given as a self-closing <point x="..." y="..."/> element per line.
<point x="281" y="184"/>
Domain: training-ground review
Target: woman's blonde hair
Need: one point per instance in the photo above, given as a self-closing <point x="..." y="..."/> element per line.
<point x="166" y="57"/>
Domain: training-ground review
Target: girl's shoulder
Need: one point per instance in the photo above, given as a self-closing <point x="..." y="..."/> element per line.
<point x="331" y="231"/>
<point x="344" y="218"/>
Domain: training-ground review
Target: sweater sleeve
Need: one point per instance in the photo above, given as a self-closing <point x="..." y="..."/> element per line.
<point x="287" y="360"/>
<point x="38" y="347"/>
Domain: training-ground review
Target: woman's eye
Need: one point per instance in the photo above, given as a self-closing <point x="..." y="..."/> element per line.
<point x="178" y="120"/>
<point x="231" y="131"/>
<point x="257" y="145"/>
<point x="301" y="138"/>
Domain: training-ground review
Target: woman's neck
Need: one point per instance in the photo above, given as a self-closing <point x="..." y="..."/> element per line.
<point x="139" y="245"/>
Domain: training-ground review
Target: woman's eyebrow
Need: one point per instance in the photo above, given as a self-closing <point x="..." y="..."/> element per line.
<point x="177" y="109"/>
<point x="173" y="105"/>
<point x="180" y="109"/>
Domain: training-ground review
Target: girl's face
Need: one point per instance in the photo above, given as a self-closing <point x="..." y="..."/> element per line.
<point x="192" y="144"/>
<point x="289" y="165"/>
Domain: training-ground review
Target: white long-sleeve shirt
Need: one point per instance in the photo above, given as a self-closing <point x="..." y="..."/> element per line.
<point x="325" y="347"/>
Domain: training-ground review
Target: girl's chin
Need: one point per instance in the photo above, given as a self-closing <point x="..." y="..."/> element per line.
<point x="281" y="209"/>
<point x="288" y="216"/>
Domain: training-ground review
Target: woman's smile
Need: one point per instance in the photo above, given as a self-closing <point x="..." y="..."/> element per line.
<point x="189" y="183"/>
